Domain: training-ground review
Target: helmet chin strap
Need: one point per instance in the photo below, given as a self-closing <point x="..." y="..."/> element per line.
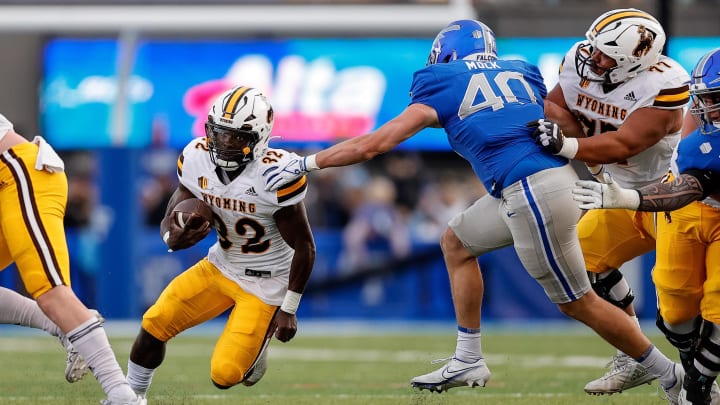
<point x="227" y="165"/>
<point x="231" y="165"/>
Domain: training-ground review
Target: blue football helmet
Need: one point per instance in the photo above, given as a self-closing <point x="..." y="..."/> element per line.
<point x="705" y="92"/>
<point x="463" y="39"/>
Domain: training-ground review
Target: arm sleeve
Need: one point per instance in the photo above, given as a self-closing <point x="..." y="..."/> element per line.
<point x="709" y="180"/>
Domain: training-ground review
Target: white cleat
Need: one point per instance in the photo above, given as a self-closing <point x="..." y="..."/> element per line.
<point x="625" y="373"/>
<point x="455" y="373"/>
<point x="675" y="395"/>
<point x="715" y="394"/>
<point x="140" y="399"/>
<point x="75" y="367"/>
<point x="259" y="370"/>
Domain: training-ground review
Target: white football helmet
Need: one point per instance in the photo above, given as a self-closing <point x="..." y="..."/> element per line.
<point x="238" y="127"/>
<point x="633" y="38"/>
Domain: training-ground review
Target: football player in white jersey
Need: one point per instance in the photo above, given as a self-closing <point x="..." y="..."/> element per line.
<point x="33" y="198"/>
<point x="687" y="269"/>
<point x="628" y="99"/>
<point x="261" y="262"/>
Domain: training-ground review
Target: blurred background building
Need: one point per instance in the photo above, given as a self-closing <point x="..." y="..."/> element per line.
<point x="119" y="87"/>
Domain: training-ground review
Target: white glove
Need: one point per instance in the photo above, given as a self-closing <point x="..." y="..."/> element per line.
<point x="594" y="195"/>
<point x="597" y="171"/>
<point x="288" y="170"/>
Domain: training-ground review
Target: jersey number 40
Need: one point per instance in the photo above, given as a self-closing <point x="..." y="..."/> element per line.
<point x="479" y="83"/>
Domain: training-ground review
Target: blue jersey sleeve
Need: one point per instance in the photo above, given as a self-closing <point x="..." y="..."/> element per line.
<point x="533" y="75"/>
<point x="424" y="88"/>
<point x="697" y="151"/>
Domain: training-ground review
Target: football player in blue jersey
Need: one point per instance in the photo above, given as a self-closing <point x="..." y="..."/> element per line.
<point x="483" y="103"/>
<point x="687" y="269"/>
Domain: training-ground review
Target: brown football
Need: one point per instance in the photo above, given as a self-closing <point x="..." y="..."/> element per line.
<point x="193" y="213"/>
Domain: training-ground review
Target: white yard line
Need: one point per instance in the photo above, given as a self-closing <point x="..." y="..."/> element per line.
<point x="181" y="349"/>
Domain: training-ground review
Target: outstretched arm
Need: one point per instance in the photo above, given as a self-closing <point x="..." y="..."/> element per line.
<point x="684" y="189"/>
<point x="362" y="148"/>
<point x="355" y="150"/>
<point x="642" y="129"/>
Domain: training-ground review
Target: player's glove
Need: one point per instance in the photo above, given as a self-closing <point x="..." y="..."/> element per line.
<point x="593" y="195"/>
<point x="597" y="171"/>
<point x="288" y="170"/>
<point x="549" y="135"/>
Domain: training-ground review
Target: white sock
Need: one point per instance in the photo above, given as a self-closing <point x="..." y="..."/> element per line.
<point x="90" y="340"/>
<point x="468" y="347"/>
<point x="19" y="310"/>
<point x="139" y="377"/>
<point x="657" y="364"/>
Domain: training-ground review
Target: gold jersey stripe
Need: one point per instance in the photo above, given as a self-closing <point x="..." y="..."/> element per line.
<point x="293" y="190"/>
<point x="232" y="102"/>
<point x="670" y="105"/>
<point x="292" y="187"/>
<point x="678" y="96"/>
<point x="619" y="16"/>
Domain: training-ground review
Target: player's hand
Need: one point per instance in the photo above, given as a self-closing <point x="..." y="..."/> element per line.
<point x="285" y="172"/>
<point x="594" y="195"/>
<point x="548" y="134"/>
<point x="286" y="326"/>
<point x="597" y="171"/>
<point x="178" y="238"/>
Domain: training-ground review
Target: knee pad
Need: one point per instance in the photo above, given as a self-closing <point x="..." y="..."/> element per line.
<point x="684" y="342"/>
<point x="612" y="287"/>
<point x="707" y="351"/>
<point x="706" y="366"/>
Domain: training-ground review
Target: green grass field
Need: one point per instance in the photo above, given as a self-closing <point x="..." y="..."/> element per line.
<point x="533" y="367"/>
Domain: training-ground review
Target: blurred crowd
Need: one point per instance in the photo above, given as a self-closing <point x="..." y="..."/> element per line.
<point x="387" y="206"/>
<point x="383" y="210"/>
